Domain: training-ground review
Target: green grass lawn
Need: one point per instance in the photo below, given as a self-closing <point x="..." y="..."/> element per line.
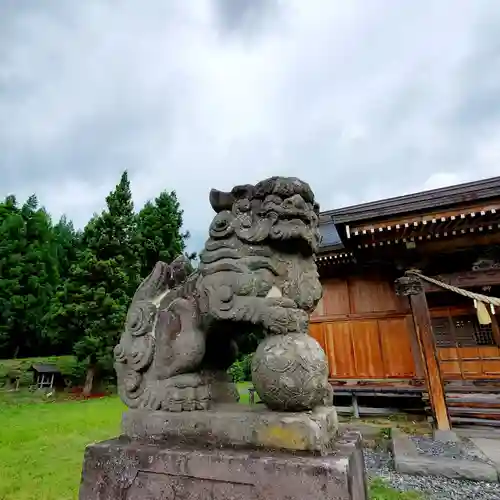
<point x="42" y="445"/>
<point x="379" y="490"/>
<point x="244" y="395"/>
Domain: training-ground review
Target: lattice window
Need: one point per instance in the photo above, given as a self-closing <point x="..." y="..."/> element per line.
<point x="465" y="330"/>
<point x="461" y="331"/>
<point x="443" y="332"/>
<point x="484" y="335"/>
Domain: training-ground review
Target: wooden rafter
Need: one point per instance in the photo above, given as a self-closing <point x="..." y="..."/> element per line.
<point x="454" y="244"/>
<point x="447" y="230"/>
<point x="404" y="225"/>
<point x="334" y="258"/>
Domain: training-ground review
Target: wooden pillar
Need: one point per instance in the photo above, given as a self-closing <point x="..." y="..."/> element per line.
<point x="412" y="287"/>
<point x="416" y="350"/>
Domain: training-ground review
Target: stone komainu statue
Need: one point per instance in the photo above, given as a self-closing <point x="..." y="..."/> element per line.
<point x="257" y="271"/>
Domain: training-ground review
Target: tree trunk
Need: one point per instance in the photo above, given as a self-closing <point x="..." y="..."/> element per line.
<point x="89" y="381"/>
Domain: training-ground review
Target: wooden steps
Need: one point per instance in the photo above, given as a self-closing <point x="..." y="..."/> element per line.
<point x="468" y="403"/>
<point x="472" y="405"/>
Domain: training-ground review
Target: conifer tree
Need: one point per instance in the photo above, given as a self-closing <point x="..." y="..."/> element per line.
<point x="93" y="303"/>
<point x="28" y="276"/>
<point x="12" y="241"/>
<point x="67" y="241"/>
<point x="159" y="231"/>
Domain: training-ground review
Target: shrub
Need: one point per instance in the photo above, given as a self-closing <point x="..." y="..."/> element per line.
<point x="241" y="370"/>
<point x="75" y="372"/>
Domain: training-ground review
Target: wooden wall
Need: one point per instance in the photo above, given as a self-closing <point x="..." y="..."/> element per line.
<point x="469" y="363"/>
<point x="462" y="361"/>
<point x="365" y="330"/>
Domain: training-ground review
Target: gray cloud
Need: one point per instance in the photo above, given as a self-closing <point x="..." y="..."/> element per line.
<point x="246" y="17"/>
<point x="361" y="101"/>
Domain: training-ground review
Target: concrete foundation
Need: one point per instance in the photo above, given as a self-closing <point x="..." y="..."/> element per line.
<point x="445" y="436"/>
<point x="407" y="460"/>
<point x="128" y="469"/>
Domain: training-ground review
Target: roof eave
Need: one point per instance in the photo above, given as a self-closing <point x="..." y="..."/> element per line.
<point x="452" y="195"/>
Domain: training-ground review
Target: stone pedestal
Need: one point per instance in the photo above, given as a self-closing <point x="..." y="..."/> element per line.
<point x="235" y="425"/>
<point x="127" y="469"/>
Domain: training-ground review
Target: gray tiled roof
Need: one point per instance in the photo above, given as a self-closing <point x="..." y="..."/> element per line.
<point x="45" y="368"/>
<point x="329" y="236"/>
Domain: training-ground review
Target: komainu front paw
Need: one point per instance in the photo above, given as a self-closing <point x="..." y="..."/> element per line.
<point x="185" y="392"/>
<point x="187" y="399"/>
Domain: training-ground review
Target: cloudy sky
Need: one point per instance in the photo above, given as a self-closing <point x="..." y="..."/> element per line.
<point x="363" y="99"/>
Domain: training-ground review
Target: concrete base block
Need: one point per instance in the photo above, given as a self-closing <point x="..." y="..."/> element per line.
<point x="408" y="460"/>
<point x="445" y="436"/>
<point x="237" y="426"/>
<point x="126" y="469"/>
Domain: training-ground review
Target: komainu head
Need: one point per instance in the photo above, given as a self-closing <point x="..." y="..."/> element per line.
<point x="258" y="263"/>
<point x="279" y="211"/>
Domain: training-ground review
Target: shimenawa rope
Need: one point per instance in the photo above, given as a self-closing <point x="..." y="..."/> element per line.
<point x="495" y="301"/>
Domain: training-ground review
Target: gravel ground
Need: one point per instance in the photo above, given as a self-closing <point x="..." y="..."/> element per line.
<point x="460" y="450"/>
<point x="379" y="464"/>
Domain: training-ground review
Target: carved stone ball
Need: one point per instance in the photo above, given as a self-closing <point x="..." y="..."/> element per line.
<point x="290" y="372"/>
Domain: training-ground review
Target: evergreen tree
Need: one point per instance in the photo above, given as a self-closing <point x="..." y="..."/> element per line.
<point x="12" y="242"/>
<point x="62" y="332"/>
<point x="40" y="275"/>
<point x="67" y="241"/>
<point x="28" y="276"/>
<point x="159" y="232"/>
<point x="92" y="304"/>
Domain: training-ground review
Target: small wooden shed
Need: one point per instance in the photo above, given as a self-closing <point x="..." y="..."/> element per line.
<point x="46" y="376"/>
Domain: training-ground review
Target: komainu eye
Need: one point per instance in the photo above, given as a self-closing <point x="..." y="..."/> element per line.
<point x="221" y="225"/>
<point x="243" y="205"/>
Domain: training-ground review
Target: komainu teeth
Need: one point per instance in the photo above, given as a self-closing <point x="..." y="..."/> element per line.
<point x="274" y="293"/>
